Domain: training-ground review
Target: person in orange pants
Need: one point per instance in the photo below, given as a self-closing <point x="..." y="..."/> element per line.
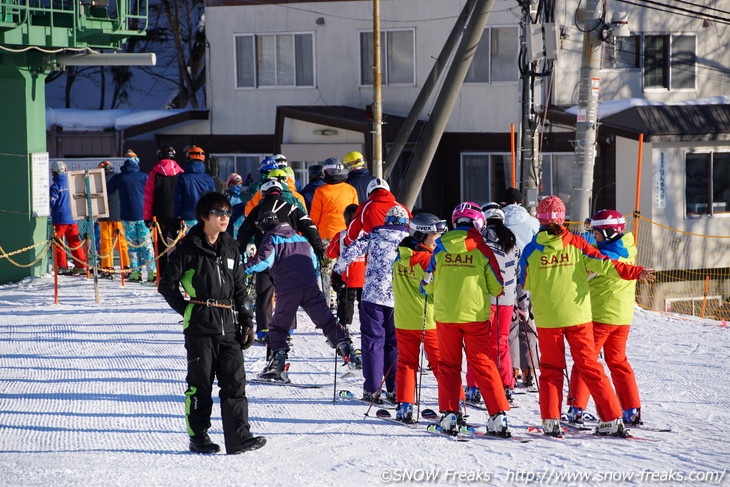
<point x="558" y="260"/>
<point x="465" y="273"/>
<point x="612" y="304"/>
<point x="414" y="322"/>
<point x="110" y="228"/>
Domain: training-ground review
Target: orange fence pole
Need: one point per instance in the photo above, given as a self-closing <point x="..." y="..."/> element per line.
<point x="704" y="300"/>
<point x="637" y="211"/>
<point x="512" y="148"/>
<point x="157" y="250"/>
<point x="55" y="268"/>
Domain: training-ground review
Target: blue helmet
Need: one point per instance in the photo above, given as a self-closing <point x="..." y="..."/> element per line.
<point x="267" y="165"/>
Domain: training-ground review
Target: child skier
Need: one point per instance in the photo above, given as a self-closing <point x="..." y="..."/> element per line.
<point x="379" y="349"/>
<point x="465" y="272"/>
<point x="293" y="270"/>
<point x="559" y="260"/>
<point x="503" y="243"/>
<point x="414" y="322"/>
<point x="348" y="286"/>
<point x="207" y="264"/>
<point x="63" y="224"/>
<point x="612" y="305"/>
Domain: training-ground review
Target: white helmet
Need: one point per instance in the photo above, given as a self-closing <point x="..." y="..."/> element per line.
<point x="493" y="211"/>
<point x="378" y="183"/>
<point x="271" y="186"/>
<point x="58" y="167"/>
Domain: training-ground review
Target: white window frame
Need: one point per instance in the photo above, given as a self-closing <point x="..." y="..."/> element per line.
<point x="255" y="58"/>
<point x="383" y="60"/>
<point x="488" y="32"/>
<point x="713" y="214"/>
<point x="260" y="157"/>
<point x="656" y="89"/>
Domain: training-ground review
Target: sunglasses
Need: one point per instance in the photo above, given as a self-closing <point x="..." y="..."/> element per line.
<point x="220" y="213"/>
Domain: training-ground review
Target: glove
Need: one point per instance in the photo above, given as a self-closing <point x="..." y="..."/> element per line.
<point x="250" y="250"/>
<point x="336" y="282"/>
<point x="244" y="333"/>
<point x="422" y="288"/>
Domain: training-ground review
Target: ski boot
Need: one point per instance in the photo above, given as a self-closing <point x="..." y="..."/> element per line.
<point x="472" y="395"/>
<point x="372" y="397"/>
<point x="632" y="416"/>
<point x="135" y="276"/>
<point x="449" y="423"/>
<point x="575" y="415"/>
<point x="497" y="425"/>
<point x="276" y="368"/>
<point x="551" y="427"/>
<point x="345" y="350"/>
<point x="612" y="428"/>
<point x="262" y="337"/>
<point x="151" y="276"/>
<point x="390" y="397"/>
<point x="508" y="394"/>
<point x="201" y="443"/>
<point x="404" y="413"/>
<point x="529" y="381"/>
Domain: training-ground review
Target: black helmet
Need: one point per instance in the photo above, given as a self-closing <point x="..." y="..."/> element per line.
<point x="266" y="221"/>
<point x="166" y="152"/>
<point x="315" y="172"/>
<point x="425" y="223"/>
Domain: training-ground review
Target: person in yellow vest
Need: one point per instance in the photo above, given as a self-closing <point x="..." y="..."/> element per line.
<point x="612" y="304"/>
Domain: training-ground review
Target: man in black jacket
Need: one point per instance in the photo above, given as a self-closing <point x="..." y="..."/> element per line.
<point x="217" y="326"/>
<point x="272" y="201"/>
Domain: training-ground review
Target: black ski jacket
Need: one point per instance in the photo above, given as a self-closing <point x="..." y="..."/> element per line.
<point x="287" y="213"/>
<point x="206" y="272"/>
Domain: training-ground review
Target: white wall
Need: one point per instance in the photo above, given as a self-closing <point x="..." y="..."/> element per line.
<point x="481" y="108"/>
<point x="712" y="54"/>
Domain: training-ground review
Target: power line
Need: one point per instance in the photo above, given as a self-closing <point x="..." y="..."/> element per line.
<point x="703" y="6"/>
<point x="674" y="10"/>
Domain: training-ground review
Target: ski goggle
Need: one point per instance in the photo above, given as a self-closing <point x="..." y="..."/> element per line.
<point x="220" y="213"/>
<point x="591" y="223"/>
<point x="438" y="227"/>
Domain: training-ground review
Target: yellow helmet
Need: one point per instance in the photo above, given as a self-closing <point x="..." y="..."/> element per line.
<point x="353" y="160"/>
<point x="278" y="174"/>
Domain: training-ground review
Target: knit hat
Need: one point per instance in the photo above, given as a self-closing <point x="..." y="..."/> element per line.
<point x="551" y="210"/>
<point x="131" y="157"/>
<point x="106" y="165"/>
<point x="510" y="196"/>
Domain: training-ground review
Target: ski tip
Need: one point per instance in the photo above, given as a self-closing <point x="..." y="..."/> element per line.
<point x="383" y="413"/>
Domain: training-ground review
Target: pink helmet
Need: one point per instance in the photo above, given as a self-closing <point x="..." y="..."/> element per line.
<point x="551" y="210"/>
<point x="468" y="211"/>
<point x="608" y="222"/>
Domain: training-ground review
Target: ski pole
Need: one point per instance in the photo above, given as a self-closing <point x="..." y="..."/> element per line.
<point x="334" y="391"/>
<point x="496" y="334"/>
<point x="420" y="362"/>
<point x="380" y="387"/>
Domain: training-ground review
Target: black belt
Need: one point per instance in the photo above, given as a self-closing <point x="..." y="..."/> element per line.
<point x="215" y="303"/>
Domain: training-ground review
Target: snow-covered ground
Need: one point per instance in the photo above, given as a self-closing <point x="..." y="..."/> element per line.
<point x="92" y="394"/>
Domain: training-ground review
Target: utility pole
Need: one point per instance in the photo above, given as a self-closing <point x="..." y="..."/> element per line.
<point x="377" y="165"/>
<point x="428" y="86"/>
<point x="587" y="120"/>
<point x="529" y="154"/>
<point x="411" y="186"/>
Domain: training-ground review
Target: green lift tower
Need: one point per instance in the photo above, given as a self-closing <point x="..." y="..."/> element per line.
<point x="35" y="35"/>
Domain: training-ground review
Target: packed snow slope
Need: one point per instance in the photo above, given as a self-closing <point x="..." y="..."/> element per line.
<point x="92" y="394"/>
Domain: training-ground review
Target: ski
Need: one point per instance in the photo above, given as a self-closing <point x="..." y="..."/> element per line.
<point x="482" y="407"/>
<point x="641" y="426"/>
<point x="574" y="426"/>
<point x="261" y="380"/>
<point x="349" y="396"/>
<point x="582" y="434"/>
<point x="471" y="430"/>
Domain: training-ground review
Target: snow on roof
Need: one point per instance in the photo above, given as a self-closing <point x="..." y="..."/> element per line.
<point x="94" y="120"/>
<point x="608" y="108"/>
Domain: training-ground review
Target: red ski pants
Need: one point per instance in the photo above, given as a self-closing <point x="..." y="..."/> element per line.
<point x="552" y="365"/>
<point x="498" y="349"/>
<point x="474" y="337"/>
<point x="409" y="349"/>
<point x="71" y="232"/>
<point x="612" y="339"/>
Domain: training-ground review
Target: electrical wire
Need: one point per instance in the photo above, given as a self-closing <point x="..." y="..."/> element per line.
<point x="703" y="6"/>
<point x="676" y="11"/>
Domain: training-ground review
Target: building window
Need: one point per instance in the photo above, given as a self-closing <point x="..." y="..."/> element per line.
<point x="242" y="164"/>
<point x="484" y="176"/>
<point x="669" y="62"/>
<point x="495" y="59"/>
<point x="274" y="60"/>
<point x="397" y="57"/>
<point x="707" y="183"/>
<point x="623" y="54"/>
